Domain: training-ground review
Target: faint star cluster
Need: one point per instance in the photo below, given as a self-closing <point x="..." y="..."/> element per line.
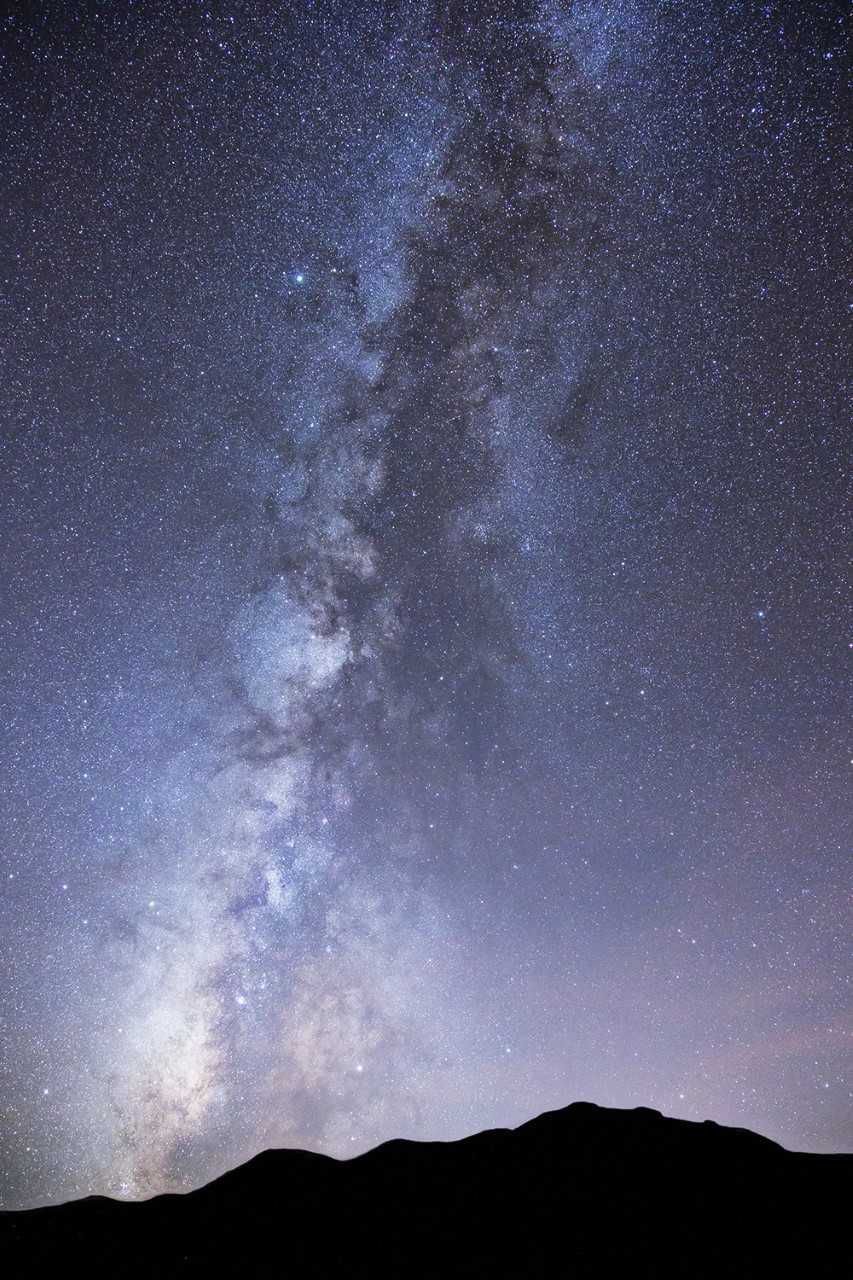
<point x="425" y="623"/>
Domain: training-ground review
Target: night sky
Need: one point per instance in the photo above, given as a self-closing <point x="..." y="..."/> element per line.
<point x="422" y="552"/>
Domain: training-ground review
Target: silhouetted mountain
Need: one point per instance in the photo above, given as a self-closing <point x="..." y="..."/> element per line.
<point x="585" y="1191"/>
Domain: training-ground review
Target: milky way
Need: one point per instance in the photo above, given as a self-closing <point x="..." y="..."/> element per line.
<point x="424" y="620"/>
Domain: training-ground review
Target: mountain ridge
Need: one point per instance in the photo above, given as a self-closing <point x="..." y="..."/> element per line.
<point x="579" y="1191"/>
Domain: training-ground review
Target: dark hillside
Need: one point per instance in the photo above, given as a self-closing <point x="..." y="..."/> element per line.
<point x="584" y="1191"/>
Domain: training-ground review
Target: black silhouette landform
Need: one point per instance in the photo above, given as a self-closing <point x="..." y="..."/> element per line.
<point x="584" y="1191"/>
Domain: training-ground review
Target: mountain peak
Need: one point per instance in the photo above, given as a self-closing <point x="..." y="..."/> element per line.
<point x="582" y="1191"/>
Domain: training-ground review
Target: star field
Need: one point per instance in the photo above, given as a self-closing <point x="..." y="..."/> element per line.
<point x="425" y="624"/>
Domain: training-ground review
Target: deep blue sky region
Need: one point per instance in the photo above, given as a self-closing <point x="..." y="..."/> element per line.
<point x="424" y="635"/>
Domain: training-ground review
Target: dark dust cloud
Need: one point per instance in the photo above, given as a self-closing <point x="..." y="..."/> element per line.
<point x="423" y="600"/>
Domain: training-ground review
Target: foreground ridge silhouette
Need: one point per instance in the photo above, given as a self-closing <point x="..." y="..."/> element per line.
<point x="583" y="1191"/>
